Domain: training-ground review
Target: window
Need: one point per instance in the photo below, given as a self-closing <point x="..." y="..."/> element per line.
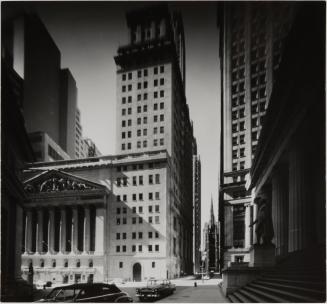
<point x="150" y="234"/>
<point x="129" y="99"/>
<point x="157" y="208"/>
<point x="161" y="141"/>
<point x="157" y="195"/>
<point x="157" y="235"/>
<point x="124" y="210"/>
<point x="117" y="248"/>
<point x="145" y="132"/>
<point x="129" y="111"/>
<point x="155" y="82"/>
<point x="140" y="209"/>
<point x="139" y="74"/>
<point x="138" y="132"/>
<point x="155" y="130"/>
<point x="139" y="108"/>
<point x="150" y="219"/>
<point x="117" y="236"/>
<point x="124" y="220"/>
<point x="162" y="93"/>
<point x="133" y="220"/>
<point x="150" y="248"/>
<point x="155" y="106"/>
<point x="129" y="75"/>
<point x="118" y="198"/>
<point x="123" y="100"/>
<point x="145" y="108"/>
<point x="150" y="196"/>
<point x="157" y="219"/>
<point x="139" y="97"/>
<point x="234" y="140"/>
<point x="140" y="248"/>
<point x="140" y="220"/>
<point x="145" y="72"/>
<point x="155" y="142"/>
<point x="129" y="134"/>
<point x="134" y="180"/>
<point x="162" y="105"/>
<point x="161" y="117"/>
<point x="123" y="88"/>
<point x="129" y="87"/>
<point x="162" y="81"/>
<point x="124" y="236"/>
<point x="162" y="130"/>
<point x="242" y="165"/>
<point x="145" y="144"/>
<point x="155" y="118"/>
<point x="140" y="235"/>
<point x="242" y="141"/>
<point x="133" y="248"/>
<point x="139" y="85"/>
<point x="141" y="196"/>
<point x="124" y="197"/>
<point x="123" y="135"/>
<point x="134" y="197"/>
<point x="145" y="96"/>
<point x="134" y="210"/>
<point x="156" y="247"/>
<point x="123" y="112"/>
<point x="141" y="180"/>
<point x="118" y="221"/>
<point x="125" y="181"/>
<point x="150" y="179"/>
<point x="162" y="69"/>
<point x="118" y="211"/>
<point x="124" y="248"/>
<point x="145" y="120"/>
<point x="123" y="123"/>
<point x="123" y="77"/>
<point x="153" y="264"/>
<point x="155" y="70"/>
<point x="242" y="126"/>
<point x="150" y="209"/>
<point x="155" y="94"/>
<point x="133" y="235"/>
<point x="129" y="146"/>
<point x="129" y="122"/>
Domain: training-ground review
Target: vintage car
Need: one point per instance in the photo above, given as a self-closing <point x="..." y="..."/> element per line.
<point x="155" y="289"/>
<point x="96" y="292"/>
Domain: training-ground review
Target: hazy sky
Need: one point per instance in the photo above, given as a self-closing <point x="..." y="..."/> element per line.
<point x="88" y="35"/>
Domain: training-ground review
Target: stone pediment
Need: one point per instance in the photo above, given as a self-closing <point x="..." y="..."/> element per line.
<point x="58" y="181"/>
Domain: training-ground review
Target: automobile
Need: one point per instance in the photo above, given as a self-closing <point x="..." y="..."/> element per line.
<point x="88" y="292"/>
<point x="117" y="281"/>
<point x="42" y="285"/>
<point x="155" y="289"/>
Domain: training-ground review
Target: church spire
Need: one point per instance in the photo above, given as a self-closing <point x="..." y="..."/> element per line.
<point x="212" y="215"/>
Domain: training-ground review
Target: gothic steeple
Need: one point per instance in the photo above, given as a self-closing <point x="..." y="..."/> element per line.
<point x="212" y="215"/>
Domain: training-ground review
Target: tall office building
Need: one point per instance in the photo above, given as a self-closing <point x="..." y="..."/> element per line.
<point x="196" y="213"/>
<point x="152" y="112"/>
<point x="251" y="43"/>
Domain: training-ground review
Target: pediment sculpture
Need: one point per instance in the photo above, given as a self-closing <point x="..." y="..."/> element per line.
<point x="55" y="184"/>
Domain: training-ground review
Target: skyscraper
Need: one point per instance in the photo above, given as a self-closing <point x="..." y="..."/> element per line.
<point x="251" y="42"/>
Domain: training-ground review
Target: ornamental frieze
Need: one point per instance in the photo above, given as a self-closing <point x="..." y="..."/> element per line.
<point x="55" y="184"/>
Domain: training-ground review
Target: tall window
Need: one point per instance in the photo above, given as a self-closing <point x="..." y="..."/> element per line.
<point x="238" y="226"/>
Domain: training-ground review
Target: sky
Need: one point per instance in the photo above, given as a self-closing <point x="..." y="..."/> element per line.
<point x="88" y="35"/>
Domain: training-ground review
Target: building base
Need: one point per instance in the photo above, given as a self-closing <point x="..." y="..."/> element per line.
<point x="262" y="256"/>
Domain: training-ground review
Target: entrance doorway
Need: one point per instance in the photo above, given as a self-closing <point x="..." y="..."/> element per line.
<point x="137" y="272"/>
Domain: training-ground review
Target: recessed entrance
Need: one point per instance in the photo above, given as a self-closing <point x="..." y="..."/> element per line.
<point x="137" y="272"/>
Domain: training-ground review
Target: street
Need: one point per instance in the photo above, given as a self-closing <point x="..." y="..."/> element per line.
<point x="207" y="291"/>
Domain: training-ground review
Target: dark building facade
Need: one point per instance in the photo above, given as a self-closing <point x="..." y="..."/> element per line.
<point x="287" y="176"/>
<point x="251" y="37"/>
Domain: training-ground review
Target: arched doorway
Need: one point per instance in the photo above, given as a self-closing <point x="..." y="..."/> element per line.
<point x="137" y="272"/>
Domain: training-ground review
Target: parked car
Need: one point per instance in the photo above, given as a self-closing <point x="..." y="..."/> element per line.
<point x="155" y="290"/>
<point x="84" y="292"/>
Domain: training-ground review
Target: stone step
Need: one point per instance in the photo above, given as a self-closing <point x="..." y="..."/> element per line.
<point x="305" y="283"/>
<point x="252" y="297"/>
<point x="233" y="298"/>
<point x="294" y="285"/>
<point x="242" y="298"/>
<point x="298" y="276"/>
<point x="267" y="297"/>
<point x="291" y="296"/>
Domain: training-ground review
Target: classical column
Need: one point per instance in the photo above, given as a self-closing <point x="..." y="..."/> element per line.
<point x="17" y="272"/>
<point x="51" y="230"/>
<point x="87" y="229"/>
<point x="99" y="230"/>
<point x="74" y="230"/>
<point x="279" y="210"/>
<point x="255" y="214"/>
<point x="39" y="244"/>
<point x="28" y="231"/>
<point x="247" y="228"/>
<point x="62" y="232"/>
<point x="298" y="213"/>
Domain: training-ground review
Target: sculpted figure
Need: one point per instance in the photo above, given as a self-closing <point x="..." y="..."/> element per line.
<point x="61" y="184"/>
<point x="264" y="228"/>
<point x="44" y="186"/>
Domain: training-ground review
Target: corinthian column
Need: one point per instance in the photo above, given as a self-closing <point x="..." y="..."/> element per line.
<point x="51" y="230"/>
<point x="87" y="229"/>
<point x="39" y="245"/>
<point x="28" y="231"/>
<point x="62" y="230"/>
<point x="279" y="210"/>
<point x="298" y="212"/>
<point x="75" y="230"/>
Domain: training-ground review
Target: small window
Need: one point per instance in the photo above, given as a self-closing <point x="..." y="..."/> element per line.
<point x="145" y="72"/>
<point x="150" y="234"/>
<point x="156" y="247"/>
<point x="133" y="235"/>
<point x="140" y="248"/>
<point x="133" y="248"/>
<point x="121" y="264"/>
<point x="117" y="236"/>
<point x="150" y="248"/>
<point x="155" y="70"/>
<point x="153" y="264"/>
<point x="162" y="69"/>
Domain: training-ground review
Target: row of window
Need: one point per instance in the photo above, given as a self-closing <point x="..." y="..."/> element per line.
<point x="238" y="114"/>
<point x="123" y="210"/>
<point x="123" y="248"/>
<point x="128" y="146"/>
<point x="123" y="220"/>
<point x="54" y="263"/>
<point x="156" y="118"/>
<point x="123" y="198"/>
<point x="239" y="166"/>
<point x="135" y="167"/>
<point x="145" y="132"/>
<point x="241" y="153"/>
<point x="152" y="178"/>
<point x="121" y="264"/>
<point x="129" y="75"/>
<point x="238" y="127"/>
<point x="123" y="235"/>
